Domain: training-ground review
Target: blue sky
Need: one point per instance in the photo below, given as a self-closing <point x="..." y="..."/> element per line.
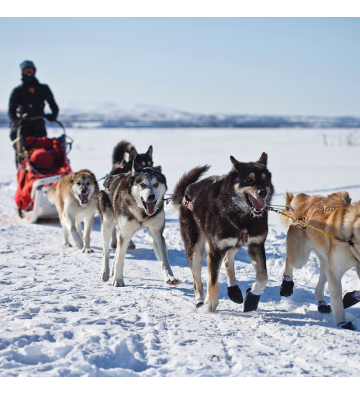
<point x="270" y="66"/>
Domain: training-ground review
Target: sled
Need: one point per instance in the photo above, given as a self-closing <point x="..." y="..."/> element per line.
<point x="41" y="162"/>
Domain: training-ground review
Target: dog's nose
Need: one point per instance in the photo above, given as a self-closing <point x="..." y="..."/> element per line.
<point x="151" y="198"/>
<point x="262" y="193"/>
<point x="83" y="190"/>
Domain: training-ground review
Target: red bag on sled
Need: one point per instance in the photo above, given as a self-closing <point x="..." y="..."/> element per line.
<point x="46" y="158"/>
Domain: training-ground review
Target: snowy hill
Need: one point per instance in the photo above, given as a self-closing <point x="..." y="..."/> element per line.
<point x="58" y="319"/>
<point x="155" y="117"/>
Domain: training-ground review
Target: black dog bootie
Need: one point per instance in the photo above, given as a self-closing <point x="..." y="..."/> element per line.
<point x="286" y="288"/>
<point x="234" y="294"/>
<point x="251" y="301"/>
<point x="346" y="325"/>
<point x="324" y="308"/>
<point x="351" y="298"/>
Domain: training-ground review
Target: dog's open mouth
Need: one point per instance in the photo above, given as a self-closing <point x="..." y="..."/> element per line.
<point x="84" y="199"/>
<point x="150" y="207"/>
<point x="256" y="205"/>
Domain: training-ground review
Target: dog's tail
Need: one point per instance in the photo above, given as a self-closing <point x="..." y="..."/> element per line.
<point x="51" y="194"/>
<point x="187" y="179"/>
<point x="285" y="220"/>
<point x="120" y="149"/>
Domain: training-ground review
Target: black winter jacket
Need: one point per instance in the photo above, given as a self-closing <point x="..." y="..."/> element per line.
<point x="23" y="101"/>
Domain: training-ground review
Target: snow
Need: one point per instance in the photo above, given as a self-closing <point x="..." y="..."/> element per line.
<point x="58" y="319"/>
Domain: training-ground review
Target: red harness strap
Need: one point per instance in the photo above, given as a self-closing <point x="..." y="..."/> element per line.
<point x="188" y="203"/>
<point x="325" y="210"/>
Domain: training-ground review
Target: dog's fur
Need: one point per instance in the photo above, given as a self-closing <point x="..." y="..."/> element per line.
<point x="221" y="210"/>
<point x="121" y="166"/>
<point x="75" y="200"/>
<point x="334" y="257"/>
<point x="135" y="200"/>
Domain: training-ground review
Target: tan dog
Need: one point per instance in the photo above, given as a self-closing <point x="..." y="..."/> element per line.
<point x="334" y="215"/>
<point x="75" y="200"/>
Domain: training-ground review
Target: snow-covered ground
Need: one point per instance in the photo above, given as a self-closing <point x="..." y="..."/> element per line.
<point x="58" y="319"/>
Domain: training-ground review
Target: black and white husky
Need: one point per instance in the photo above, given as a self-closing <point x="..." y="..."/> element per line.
<point x="133" y="200"/>
<point x="120" y="166"/>
<point x="223" y="213"/>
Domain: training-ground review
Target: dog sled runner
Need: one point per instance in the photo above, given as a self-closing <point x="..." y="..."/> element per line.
<point x="41" y="162"/>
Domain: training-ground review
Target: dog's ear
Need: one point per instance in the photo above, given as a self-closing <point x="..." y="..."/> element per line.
<point x="235" y="162"/>
<point x="263" y="159"/>
<point x="93" y="177"/>
<point x="132" y="154"/>
<point x="150" y="151"/>
<point x="135" y="167"/>
<point x="157" y="168"/>
<point x="72" y="178"/>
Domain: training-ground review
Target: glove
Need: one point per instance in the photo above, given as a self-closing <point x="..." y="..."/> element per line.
<point x="50" y="117"/>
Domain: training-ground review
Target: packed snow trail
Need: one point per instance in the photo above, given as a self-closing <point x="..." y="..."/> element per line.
<point x="58" y="319"/>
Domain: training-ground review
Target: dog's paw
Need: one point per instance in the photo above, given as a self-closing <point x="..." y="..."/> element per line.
<point x="346" y="325"/>
<point x="324" y="308"/>
<point x="67" y="245"/>
<point x="251" y="301"/>
<point x="234" y="293"/>
<point x="286" y="288"/>
<point x="87" y="250"/>
<point x="104" y="276"/>
<point x="131" y="246"/>
<point x="212" y="305"/>
<point x="118" y="283"/>
<point x="172" y="281"/>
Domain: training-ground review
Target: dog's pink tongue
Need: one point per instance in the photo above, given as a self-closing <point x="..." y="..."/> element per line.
<point x="84" y="198"/>
<point x="258" y="204"/>
<point x="150" y="207"/>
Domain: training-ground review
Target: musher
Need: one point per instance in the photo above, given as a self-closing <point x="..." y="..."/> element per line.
<point x="29" y="98"/>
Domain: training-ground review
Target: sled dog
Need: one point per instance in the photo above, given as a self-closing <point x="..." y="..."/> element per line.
<point x="75" y="200"/>
<point x="120" y="166"/>
<point x="224" y="213"/>
<point x="335" y="215"/>
<point x="134" y="200"/>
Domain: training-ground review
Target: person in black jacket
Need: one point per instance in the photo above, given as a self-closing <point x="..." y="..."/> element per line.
<point x="29" y="98"/>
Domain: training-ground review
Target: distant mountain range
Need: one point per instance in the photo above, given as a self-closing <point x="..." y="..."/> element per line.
<point x="154" y="117"/>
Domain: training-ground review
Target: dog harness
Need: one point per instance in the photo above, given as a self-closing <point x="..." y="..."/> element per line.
<point x="189" y="204"/>
<point x="302" y="222"/>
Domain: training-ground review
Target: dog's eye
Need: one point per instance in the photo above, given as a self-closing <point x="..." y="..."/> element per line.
<point x="78" y="183"/>
<point x="248" y="180"/>
<point x="156" y="184"/>
<point x="88" y="183"/>
<point x="142" y="164"/>
<point x="143" y="185"/>
<point x="266" y="181"/>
